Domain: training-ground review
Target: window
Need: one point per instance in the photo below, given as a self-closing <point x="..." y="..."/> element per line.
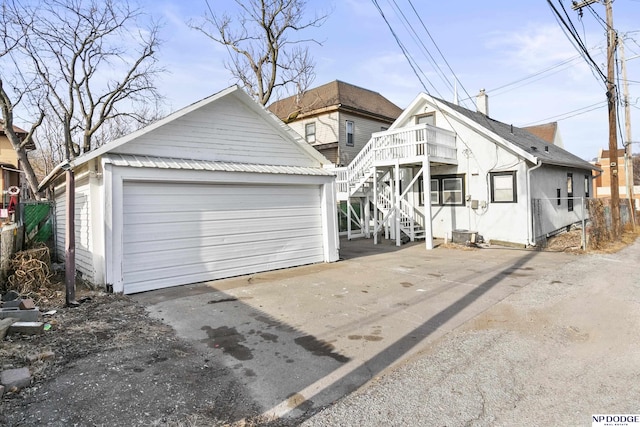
<point x="503" y="187"/>
<point x="570" y="192"/>
<point x="435" y="192"/>
<point x="447" y="190"/>
<point x="428" y="119"/>
<point x="310" y="132"/>
<point x="558" y="196"/>
<point x="586" y="186"/>
<point x="349" y="129"/>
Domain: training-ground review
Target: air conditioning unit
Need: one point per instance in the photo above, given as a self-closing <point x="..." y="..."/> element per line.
<point x="464" y="237"/>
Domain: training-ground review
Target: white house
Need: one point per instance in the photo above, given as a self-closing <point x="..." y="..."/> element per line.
<point x="218" y="189"/>
<point x="485" y="177"/>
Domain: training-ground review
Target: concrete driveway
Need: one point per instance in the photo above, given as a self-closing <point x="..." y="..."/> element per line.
<point x="303" y="337"/>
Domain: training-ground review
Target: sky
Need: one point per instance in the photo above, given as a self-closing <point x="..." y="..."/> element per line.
<point x="515" y="50"/>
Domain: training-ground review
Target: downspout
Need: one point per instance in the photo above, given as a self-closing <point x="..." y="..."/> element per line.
<point x="531" y="231"/>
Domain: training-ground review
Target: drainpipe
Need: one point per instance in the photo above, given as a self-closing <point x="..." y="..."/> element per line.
<point x="70" y="238"/>
<point x="531" y="230"/>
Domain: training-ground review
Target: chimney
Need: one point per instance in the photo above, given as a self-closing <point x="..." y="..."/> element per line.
<point x="482" y="102"/>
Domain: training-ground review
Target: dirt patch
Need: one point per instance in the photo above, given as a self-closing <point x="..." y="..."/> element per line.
<point x="108" y="361"/>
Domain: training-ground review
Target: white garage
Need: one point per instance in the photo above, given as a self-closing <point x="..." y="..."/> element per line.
<point x="219" y="189"/>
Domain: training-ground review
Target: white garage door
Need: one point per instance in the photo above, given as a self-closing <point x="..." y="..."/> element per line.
<point x="177" y="233"/>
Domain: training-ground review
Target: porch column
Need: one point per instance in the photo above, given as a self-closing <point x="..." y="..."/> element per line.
<point x="375" y="206"/>
<point x="348" y="217"/>
<point x="426" y="187"/>
<point x="367" y="215"/>
<point x="396" y="203"/>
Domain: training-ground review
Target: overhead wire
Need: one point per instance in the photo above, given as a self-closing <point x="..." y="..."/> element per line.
<point x="570" y="114"/>
<point x="414" y="35"/>
<point x="406" y="54"/>
<point x="438" y="48"/>
<point x="569" y="29"/>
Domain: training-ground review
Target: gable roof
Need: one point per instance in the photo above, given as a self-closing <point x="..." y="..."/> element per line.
<point x="234" y="91"/>
<point x="519" y="140"/>
<point x="333" y="96"/>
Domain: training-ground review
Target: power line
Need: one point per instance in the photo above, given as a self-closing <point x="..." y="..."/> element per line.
<point x="414" y="35"/>
<point x="570" y="114"/>
<point x="574" y="38"/>
<point x="402" y="48"/>
<point x="438" y="48"/>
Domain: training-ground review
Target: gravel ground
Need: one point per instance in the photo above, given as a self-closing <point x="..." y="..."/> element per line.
<point x="559" y="350"/>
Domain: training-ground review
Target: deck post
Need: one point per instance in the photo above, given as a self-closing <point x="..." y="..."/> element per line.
<point x="375" y="206"/>
<point x="396" y="203"/>
<point x="348" y="217"/>
<point x="367" y="216"/>
<point x="426" y="187"/>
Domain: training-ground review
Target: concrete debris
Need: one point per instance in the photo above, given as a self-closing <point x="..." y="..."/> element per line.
<point x="27" y="328"/>
<point x="4" y="326"/>
<point x="23" y="309"/>
<point x="15" y="379"/>
<point x="22" y="315"/>
<point x="27" y="304"/>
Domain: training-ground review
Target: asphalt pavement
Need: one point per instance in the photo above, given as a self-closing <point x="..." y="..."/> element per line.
<point x="300" y="339"/>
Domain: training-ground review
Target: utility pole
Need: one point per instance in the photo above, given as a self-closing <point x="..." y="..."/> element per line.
<point x="628" y="153"/>
<point x="612" y="40"/>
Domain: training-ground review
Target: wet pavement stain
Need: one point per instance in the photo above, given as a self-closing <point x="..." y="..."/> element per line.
<point x="319" y="348"/>
<point x="228" y="340"/>
<point x="249" y="372"/>
<point x="268" y="337"/>
<point x="355" y="337"/>
<point x="406" y="284"/>
<point x="372" y="338"/>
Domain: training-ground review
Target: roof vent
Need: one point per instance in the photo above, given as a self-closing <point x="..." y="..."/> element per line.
<point x="534" y="148"/>
<point x="546" y="149"/>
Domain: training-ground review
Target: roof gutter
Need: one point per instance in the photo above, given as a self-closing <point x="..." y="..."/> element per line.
<point x="61" y="167"/>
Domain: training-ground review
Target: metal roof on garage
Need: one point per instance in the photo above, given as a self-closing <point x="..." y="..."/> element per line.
<point x="138" y="161"/>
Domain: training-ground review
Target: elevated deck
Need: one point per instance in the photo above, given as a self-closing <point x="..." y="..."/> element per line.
<point x="406" y="146"/>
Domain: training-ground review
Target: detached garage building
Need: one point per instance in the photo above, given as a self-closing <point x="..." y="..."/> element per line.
<point x="218" y="189"/>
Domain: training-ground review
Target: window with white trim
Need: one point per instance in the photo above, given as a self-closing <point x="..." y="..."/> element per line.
<point x="349" y="130"/>
<point x="570" y="191"/>
<point x="310" y="132"/>
<point x="503" y="187"/>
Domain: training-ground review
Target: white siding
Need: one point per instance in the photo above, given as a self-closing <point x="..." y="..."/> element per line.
<point x="226" y="131"/>
<point x="179" y="233"/>
<point x="550" y="216"/>
<point x="83" y="232"/>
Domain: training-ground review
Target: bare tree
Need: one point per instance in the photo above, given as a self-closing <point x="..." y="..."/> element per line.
<point x="264" y="55"/>
<point x="11" y="37"/>
<point x="84" y="65"/>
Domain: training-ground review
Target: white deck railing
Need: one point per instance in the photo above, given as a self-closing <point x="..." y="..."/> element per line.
<point x="409" y="143"/>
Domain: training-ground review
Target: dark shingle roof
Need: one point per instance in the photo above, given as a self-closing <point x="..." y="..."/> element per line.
<point x="336" y="94"/>
<point x="525" y="140"/>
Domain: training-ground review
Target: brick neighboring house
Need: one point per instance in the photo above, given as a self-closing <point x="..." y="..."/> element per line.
<point x="337" y="118"/>
<point x="602" y="182"/>
<point x="547" y="132"/>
